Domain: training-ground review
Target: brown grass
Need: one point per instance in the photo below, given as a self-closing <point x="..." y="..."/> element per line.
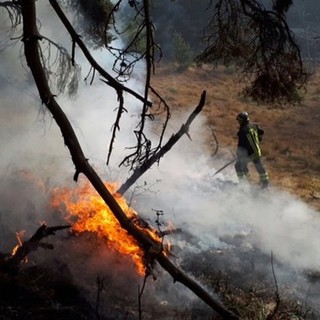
<point x="290" y="145"/>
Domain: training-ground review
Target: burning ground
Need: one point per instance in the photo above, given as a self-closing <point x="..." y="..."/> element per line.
<point x="91" y="273"/>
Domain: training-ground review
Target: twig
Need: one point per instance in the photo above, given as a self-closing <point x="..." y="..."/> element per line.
<point x="100" y="287"/>
<point x="140" y="292"/>
<point x="277" y="295"/>
<point x="167" y="147"/>
<point x="12" y="263"/>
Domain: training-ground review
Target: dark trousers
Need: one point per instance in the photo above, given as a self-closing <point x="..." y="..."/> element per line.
<point x="242" y="171"/>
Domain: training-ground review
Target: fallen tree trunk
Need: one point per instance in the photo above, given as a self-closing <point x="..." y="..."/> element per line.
<point x="31" y="38"/>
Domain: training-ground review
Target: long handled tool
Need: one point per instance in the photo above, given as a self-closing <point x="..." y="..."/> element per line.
<point x="226" y="165"/>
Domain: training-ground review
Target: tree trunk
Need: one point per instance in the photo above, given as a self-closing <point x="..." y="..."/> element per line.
<point x="30" y="38"/>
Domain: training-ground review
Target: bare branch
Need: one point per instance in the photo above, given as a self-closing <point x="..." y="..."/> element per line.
<point x="150" y="245"/>
<point x="144" y="36"/>
<point x="171" y="142"/>
<point x="116" y="126"/>
<point x="75" y="37"/>
<point x="277" y="295"/>
<point x="216" y="141"/>
<point x="12" y="263"/>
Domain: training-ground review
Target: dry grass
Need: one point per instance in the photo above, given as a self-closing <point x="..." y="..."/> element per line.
<point x="290" y="145"/>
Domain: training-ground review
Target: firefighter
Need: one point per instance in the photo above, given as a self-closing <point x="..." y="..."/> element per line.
<point x="249" y="137"/>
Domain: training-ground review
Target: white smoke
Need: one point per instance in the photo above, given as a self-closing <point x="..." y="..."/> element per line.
<point x="182" y="186"/>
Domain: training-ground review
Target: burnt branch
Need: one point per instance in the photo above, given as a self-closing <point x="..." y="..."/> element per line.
<point x="12" y="263"/>
<point x="13" y="10"/>
<point x="140" y="293"/>
<point x="179" y="276"/>
<point x="166" y="109"/>
<point x="167" y="147"/>
<point x="100" y="287"/>
<point x="82" y="165"/>
<point x="143" y="149"/>
<point x="277" y="294"/>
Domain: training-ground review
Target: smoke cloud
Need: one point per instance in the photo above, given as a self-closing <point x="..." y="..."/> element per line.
<point x="209" y="208"/>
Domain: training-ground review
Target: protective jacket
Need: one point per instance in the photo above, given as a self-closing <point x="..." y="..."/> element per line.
<point x="249" y="137"/>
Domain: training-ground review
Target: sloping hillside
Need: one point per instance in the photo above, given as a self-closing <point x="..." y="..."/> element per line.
<point x="82" y="279"/>
<point x="290" y="145"/>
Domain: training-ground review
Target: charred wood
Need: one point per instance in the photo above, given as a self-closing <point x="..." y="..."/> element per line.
<point x="11" y="262"/>
<point x="82" y="165"/>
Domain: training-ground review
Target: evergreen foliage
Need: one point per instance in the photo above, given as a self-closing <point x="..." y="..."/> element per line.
<point x="92" y="20"/>
<point x="182" y="51"/>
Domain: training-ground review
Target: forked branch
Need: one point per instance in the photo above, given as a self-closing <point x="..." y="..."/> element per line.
<point x="76" y="39"/>
<point x="162" y="151"/>
<point x="82" y="165"/>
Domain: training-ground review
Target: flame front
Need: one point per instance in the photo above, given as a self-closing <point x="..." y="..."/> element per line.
<point x="93" y="215"/>
<point x="19" y="236"/>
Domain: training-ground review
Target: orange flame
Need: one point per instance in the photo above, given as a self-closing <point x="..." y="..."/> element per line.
<point x="93" y="215"/>
<point x="19" y="236"/>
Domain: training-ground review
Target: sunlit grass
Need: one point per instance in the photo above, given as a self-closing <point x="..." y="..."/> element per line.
<point x="291" y="140"/>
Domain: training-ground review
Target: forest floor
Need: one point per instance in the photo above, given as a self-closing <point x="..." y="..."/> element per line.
<point x="291" y="155"/>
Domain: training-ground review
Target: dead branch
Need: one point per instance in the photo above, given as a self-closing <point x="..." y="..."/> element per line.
<point x="150" y="67"/>
<point x="140" y="293"/>
<point x="277" y="294"/>
<point x="12" y="262"/>
<point x="179" y="276"/>
<point x="216" y="141"/>
<point x="116" y="125"/>
<point x="143" y="144"/>
<point x="163" y="233"/>
<point x="144" y="33"/>
<point x="82" y="165"/>
<point x="100" y="286"/>
<point x="171" y="142"/>
<point x="76" y="39"/>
